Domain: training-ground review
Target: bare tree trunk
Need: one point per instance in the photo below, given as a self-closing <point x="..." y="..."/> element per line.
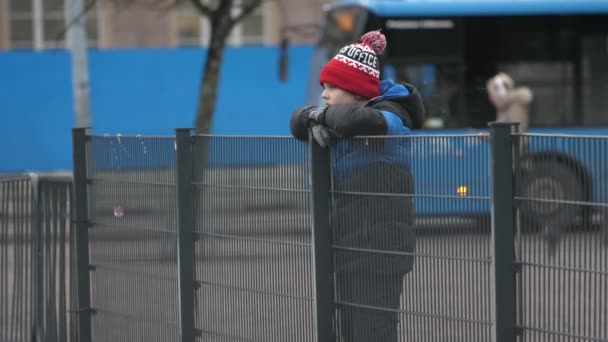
<point x="222" y="22"/>
<point x="210" y="78"/>
<point x="221" y="26"/>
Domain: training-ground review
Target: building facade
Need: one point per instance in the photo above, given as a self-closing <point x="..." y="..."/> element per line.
<point x="42" y="24"/>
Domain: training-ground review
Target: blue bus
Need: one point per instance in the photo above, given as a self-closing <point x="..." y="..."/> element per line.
<point x="449" y="49"/>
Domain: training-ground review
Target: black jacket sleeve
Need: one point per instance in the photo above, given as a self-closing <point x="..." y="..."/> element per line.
<point x="350" y="120"/>
<point x="299" y="122"/>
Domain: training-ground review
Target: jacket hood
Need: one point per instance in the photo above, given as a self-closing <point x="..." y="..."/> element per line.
<point x="389" y="89"/>
<point x="409" y="105"/>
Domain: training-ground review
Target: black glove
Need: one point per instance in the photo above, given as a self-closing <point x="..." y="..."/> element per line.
<point x="316" y="114"/>
<point x="300" y="122"/>
<point x="322" y="135"/>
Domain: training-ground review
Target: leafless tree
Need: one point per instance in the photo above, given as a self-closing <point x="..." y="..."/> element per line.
<point x="223" y="16"/>
<point x="222" y="20"/>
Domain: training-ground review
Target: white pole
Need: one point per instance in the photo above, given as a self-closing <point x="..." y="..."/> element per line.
<point x="38" y="20"/>
<point x="80" y="74"/>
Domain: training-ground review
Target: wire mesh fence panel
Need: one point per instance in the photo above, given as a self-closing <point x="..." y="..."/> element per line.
<point x="412" y="247"/>
<point x="35" y="259"/>
<point x="131" y="186"/>
<point x="253" y="247"/>
<point x="16" y="264"/>
<point x="411" y="238"/>
<point x="562" y="243"/>
<point x="54" y="301"/>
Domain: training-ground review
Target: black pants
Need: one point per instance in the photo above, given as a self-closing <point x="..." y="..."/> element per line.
<point x="357" y="293"/>
<point x="369" y="274"/>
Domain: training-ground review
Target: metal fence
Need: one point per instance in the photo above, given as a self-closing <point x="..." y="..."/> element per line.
<point x="36" y="283"/>
<point x="561" y="193"/>
<point x="217" y="238"/>
<point x="245" y="239"/>
<point x="401" y="279"/>
<point x="132" y="230"/>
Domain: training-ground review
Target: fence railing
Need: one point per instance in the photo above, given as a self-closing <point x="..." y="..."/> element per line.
<point x="419" y="238"/>
<point x="36" y="284"/>
<point x="268" y="239"/>
<point x="561" y="192"/>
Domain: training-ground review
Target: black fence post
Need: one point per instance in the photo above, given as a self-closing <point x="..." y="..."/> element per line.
<point x="503" y="237"/>
<point x="321" y="233"/>
<point x="185" y="231"/>
<point x="37" y="259"/>
<point x="81" y="232"/>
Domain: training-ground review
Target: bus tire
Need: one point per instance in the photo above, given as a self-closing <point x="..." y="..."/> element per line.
<point x="554" y="181"/>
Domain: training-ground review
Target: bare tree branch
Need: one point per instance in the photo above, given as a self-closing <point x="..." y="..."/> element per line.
<point x="162" y="5"/>
<point x="246" y="10"/>
<point x="203" y="9"/>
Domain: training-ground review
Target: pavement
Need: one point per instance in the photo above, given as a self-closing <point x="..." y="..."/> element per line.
<point x="257" y="283"/>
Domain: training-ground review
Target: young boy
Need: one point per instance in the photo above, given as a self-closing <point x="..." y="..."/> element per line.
<point x="368" y="281"/>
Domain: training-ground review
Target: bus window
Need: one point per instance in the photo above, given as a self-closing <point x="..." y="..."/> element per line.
<point x="441" y="88"/>
<point x="552" y="87"/>
<point x="556" y="89"/>
<point x="595" y="79"/>
<point x="563" y="59"/>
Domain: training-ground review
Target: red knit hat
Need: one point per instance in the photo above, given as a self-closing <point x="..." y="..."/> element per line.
<point x="355" y="68"/>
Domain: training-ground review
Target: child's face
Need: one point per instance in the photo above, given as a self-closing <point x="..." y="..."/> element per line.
<point x="335" y="96"/>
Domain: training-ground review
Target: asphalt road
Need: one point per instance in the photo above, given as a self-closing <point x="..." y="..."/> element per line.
<point x="256" y="281"/>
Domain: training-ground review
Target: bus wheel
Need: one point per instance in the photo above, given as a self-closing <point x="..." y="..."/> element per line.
<point x="543" y="189"/>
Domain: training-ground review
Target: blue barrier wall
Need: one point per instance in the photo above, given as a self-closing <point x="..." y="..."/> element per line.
<point x="148" y="92"/>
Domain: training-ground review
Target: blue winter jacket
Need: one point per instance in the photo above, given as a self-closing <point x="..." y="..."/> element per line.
<point x="397" y="111"/>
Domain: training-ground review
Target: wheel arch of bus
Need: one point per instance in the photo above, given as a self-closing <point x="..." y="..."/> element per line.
<point x="570" y="163"/>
